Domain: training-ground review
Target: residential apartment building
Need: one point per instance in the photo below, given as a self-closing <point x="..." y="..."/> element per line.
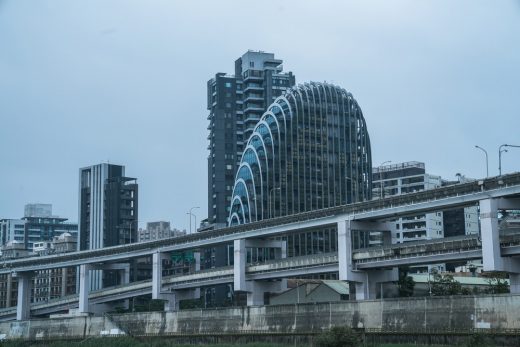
<point x="236" y="103"/>
<point x="37" y="225"/>
<point x="157" y="231"/>
<point x="108" y="213"/>
<point x="404" y="178"/>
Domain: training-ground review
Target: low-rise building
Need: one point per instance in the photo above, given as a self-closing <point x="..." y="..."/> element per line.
<point x="157" y="231"/>
<point x="311" y="291"/>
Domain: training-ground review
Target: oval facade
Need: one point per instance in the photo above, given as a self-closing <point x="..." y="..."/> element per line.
<point x="310" y="150"/>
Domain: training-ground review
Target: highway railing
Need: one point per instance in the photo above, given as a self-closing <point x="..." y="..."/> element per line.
<point x="417" y="249"/>
<point x="147" y="248"/>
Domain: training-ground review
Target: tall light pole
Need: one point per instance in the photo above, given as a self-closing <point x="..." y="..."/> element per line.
<point x="381" y="175"/>
<point x="128" y="224"/>
<point x="500" y="150"/>
<point x="351" y="189"/>
<point x="191" y="214"/>
<point x="487" y="163"/>
<point x="271" y="210"/>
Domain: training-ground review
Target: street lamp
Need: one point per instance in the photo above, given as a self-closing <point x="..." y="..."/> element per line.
<point x="192" y="214"/>
<point x="271" y="210"/>
<point x="429" y="283"/>
<point x="128" y="224"/>
<point x="487" y="165"/>
<point x="500" y="150"/>
<point x="381" y="175"/>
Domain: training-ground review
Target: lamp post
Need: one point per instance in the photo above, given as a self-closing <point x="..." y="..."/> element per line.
<point x="271" y="210"/>
<point x="128" y="224"/>
<point x="346" y="188"/>
<point x="487" y="165"/>
<point x="192" y="214"/>
<point x="429" y="283"/>
<point x="381" y="175"/>
<point x="500" y="150"/>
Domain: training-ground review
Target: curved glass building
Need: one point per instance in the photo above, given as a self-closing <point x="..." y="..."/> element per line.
<point x="310" y="150"/>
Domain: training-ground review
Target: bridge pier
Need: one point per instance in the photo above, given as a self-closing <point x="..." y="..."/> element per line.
<point x="368" y="289"/>
<point x="239" y="265"/>
<point x="492" y="259"/>
<point x="366" y="282"/>
<point x="171" y="299"/>
<point x="258" y="289"/>
<point x="84" y="285"/>
<point x="255" y="289"/>
<point x="25" y="282"/>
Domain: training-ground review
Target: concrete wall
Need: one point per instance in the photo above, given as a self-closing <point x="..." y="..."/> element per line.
<point x="411" y="314"/>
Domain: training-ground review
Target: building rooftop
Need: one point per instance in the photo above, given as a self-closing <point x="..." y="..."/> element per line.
<point x="398" y="166"/>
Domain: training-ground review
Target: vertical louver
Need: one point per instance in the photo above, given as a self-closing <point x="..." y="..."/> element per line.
<point x="310" y="150"/>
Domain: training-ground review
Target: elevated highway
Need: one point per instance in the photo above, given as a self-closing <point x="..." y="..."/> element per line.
<point x="459" y="195"/>
<point x="363" y="267"/>
<point x="420" y="252"/>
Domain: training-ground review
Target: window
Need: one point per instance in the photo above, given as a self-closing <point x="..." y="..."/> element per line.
<point x="251" y="64"/>
<point x="228" y="84"/>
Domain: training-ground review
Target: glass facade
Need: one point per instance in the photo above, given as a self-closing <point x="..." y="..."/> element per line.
<point x="310" y="150"/>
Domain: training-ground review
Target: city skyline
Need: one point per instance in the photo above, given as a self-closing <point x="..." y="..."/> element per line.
<point x="432" y="81"/>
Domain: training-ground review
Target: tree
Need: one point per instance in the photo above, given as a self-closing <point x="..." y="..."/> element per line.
<point x="446" y="285"/>
<point x="497" y="286"/>
<point x="339" y="337"/>
<point x="406" y="284"/>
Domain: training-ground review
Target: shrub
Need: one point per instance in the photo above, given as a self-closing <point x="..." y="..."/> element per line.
<point x="339" y="337"/>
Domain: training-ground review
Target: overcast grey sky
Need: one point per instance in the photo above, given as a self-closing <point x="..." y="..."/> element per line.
<point x="84" y="82"/>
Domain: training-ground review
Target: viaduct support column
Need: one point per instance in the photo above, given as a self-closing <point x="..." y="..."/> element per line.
<point x="9" y="290"/>
<point x="492" y="259"/>
<point x="23" y="309"/>
<point x="84" y="285"/>
<point x="365" y="281"/>
<point x="170" y="299"/>
<point x="256" y="290"/>
<point x="239" y="265"/>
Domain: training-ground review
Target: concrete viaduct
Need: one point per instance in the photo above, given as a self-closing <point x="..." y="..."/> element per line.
<point x="364" y="268"/>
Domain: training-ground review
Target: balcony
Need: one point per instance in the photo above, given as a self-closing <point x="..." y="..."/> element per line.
<point x="254" y="98"/>
<point x="254" y="108"/>
<point x="253" y="88"/>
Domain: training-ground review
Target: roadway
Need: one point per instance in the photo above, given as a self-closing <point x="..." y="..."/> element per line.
<point x="412" y="253"/>
<point x="459" y="195"/>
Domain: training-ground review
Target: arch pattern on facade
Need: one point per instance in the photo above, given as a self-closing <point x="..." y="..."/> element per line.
<point x="311" y="151"/>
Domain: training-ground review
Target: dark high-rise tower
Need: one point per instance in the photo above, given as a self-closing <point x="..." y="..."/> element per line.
<point x="107" y="210"/>
<point x="236" y="103"/>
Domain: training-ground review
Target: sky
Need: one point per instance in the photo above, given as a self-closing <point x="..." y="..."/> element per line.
<point x="86" y="82"/>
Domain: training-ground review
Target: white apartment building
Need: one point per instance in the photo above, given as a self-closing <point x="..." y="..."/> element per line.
<point x="405" y="178"/>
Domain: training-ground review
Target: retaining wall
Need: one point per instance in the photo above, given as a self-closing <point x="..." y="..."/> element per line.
<point x="410" y="314"/>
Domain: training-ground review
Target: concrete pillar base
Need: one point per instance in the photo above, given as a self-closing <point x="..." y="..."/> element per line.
<point x="514" y="283"/>
<point x="23" y="309"/>
<point x="84" y="285"/>
<point x="371" y="286"/>
<point x="257" y="290"/>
